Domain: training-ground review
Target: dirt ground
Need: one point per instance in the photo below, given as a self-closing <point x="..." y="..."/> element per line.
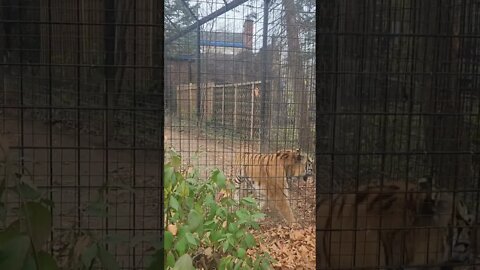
<point x="73" y="168"/>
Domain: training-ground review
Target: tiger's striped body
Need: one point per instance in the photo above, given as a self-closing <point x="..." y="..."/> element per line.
<point x="266" y="175"/>
<point x="390" y="226"/>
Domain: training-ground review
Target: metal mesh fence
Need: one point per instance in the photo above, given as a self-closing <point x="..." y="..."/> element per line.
<point x="231" y="94"/>
<point x="397" y="101"/>
<point x="243" y="82"/>
<point x="81" y="110"/>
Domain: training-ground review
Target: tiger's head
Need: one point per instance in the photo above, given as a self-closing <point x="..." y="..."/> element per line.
<point x="301" y="164"/>
<point x="450" y="211"/>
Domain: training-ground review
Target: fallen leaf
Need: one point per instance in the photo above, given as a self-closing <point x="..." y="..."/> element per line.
<point x="296" y="235"/>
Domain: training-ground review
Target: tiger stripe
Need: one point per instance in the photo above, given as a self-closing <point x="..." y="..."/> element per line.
<point x="266" y="175"/>
<point x="391" y="225"/>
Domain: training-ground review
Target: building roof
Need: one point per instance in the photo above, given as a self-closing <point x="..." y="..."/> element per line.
<point x="222" y="39"/>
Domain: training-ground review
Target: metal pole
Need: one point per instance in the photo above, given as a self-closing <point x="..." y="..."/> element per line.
<point x="199" y="96"/>
<point x="264" y="95"/>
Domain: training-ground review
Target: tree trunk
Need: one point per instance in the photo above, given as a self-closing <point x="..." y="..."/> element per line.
<point x="295" y="63"/>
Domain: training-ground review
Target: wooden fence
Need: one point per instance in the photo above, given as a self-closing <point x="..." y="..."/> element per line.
<point x="235" y="106"/>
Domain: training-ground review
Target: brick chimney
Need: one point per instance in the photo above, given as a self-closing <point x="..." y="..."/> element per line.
<point x="248" y="33"/>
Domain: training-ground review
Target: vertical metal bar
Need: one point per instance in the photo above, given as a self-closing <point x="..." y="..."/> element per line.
<point x="50" y="110"/>
<point x="159" y="75"/>
<point x="252" y="107"/>
<point x="263" y="96"/>
<point x="109" y="38"/>
<point x="134" y="131"/>
<point x="223" y="106"/>
<point x="235" y="101"/>
<point x="79" y="198"/>
<point x="22" y="96"/>
<point x="190" y="99"/>
<point x="362" y="63"/>
<point x="199" y="101"/>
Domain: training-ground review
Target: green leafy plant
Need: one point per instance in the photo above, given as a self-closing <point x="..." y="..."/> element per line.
<point x="23" y="237"/>
<point x="203" y="227"/>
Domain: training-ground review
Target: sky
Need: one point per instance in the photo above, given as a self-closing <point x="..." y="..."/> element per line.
<point x="232" y="21"/>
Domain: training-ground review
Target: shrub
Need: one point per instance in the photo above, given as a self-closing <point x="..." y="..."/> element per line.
<point x="203" y="227"/>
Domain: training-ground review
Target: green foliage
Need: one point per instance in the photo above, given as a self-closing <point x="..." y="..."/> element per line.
<point x="177" y="17"/>
<point x="23" y="239"/>
<point x="199" y="223"/>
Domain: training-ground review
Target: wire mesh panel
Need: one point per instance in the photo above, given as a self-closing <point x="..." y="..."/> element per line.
<point x="81" y="112"/>
<point x="239" y="88"/>
<point x="397" y="148"/>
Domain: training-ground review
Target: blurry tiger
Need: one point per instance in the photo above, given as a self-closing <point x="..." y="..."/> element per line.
<point x="265" y="175"/>
<point x="389" y="225"/>
<point x="474" y="263"/>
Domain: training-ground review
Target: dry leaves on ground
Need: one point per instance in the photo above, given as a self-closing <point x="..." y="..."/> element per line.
<point x="291" y="247"/>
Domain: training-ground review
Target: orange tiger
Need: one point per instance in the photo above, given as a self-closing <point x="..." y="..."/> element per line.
<point x="266" y="175"/>
<point x="393" y="225"/>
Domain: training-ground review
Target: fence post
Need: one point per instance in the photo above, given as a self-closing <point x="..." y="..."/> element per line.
<point x="209" y="100"/>
<point x="272" y="105"/>
<point x="190" y="98"/>
<point x="223" y="106"/>
<point x="235" y="107"/>
<point x="199" y="94"/>
<point x="252" y="110"/>
<point x="179" y="108"/>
